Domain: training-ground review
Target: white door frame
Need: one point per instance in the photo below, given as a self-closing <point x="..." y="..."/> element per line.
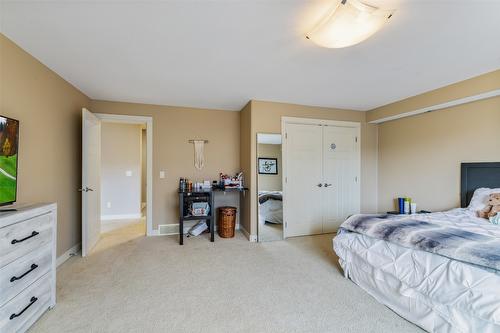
<point x="124" y="119"/>
<point x="310" y="121"/>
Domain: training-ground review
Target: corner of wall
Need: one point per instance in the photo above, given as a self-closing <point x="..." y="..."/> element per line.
<point x="245" y="164"/>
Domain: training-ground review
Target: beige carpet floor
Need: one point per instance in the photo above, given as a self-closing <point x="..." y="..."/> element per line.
<point x="154" y="285"/>
<point x="112" y="225"/>
<point x="118" y="232"/>
<point x="270" y="232"/>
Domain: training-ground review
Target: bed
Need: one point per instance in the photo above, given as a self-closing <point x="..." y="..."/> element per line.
<point x="440" y="271"/>
<point x="270" y="207"/>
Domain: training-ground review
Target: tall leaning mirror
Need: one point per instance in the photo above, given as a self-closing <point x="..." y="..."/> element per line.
<point x="269" y="187"/>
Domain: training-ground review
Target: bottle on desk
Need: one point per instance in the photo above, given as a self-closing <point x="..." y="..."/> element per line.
<point x="182" y="184"/>
<point x="413" y="208"/>
<point x="404" y="205"/>
<point x="407" y="206"/>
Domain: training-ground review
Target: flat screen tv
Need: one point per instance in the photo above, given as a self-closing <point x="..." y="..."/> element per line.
<point x="9" y="139"/>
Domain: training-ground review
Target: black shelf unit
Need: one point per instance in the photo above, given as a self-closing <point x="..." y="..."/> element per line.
<point x="185" y="198"/>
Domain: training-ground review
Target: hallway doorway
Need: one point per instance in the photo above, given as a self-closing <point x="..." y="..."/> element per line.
<point x="121" y="189"/>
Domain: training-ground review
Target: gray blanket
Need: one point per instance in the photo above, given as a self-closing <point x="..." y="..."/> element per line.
<point x="274" y="195"/>
<point x="453" y="235"/>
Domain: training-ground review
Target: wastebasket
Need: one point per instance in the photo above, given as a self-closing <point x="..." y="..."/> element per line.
<point x="227" y="222"/>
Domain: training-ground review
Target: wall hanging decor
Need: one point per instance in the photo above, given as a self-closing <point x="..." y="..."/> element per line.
<point x="199" y="153"/>
<point x="268" y="166"/>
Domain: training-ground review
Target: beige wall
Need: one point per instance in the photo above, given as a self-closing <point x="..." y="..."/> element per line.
<point x="49" y="111"/>
<point x="265" y="117"/>
<point x="269" y="182"/>
<point x="120" y="153"/>
<point x="172" y="128"/>
<point x="420" y="156"/>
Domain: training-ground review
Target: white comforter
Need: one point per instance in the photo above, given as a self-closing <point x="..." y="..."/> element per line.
<point x="437" y="293"/>
<point x="271" y="211"/>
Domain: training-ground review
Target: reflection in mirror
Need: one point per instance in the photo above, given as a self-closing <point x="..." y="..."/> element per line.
<point x="269" y="187"/>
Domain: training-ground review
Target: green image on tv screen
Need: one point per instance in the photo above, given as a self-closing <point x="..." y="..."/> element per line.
<point x="9" y="129"/>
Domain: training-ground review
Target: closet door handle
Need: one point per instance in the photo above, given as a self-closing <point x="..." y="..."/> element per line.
<point x="328" y="185"/>
<point x="319" y="185"/>
<point x="33" y="234"/>
<point x="32" y="268"/>
<point x="32" y="301"/>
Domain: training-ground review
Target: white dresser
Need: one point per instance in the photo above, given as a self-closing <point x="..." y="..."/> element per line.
<point x="27" y="265"/>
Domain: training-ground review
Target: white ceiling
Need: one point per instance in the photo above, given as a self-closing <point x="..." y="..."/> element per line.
<point x="220" y="54"/>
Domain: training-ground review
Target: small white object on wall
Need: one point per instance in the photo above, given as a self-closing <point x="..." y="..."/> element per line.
<point x="162" y="174"/>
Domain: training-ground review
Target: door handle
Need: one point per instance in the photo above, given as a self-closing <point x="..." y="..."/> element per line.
<point x="32" y="268"/>
<point x="32" y="301"/>
<point x="33" y="234"/>
<point x="319" y="185"/>
<point x="85" y="189"/>
<point x="327" y="185"/>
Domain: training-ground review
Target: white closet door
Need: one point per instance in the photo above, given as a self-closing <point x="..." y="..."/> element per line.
<point x="341" y="192"/>
<point x="303" y="195"/>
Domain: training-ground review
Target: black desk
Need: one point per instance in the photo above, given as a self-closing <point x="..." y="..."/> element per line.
<point x="200" y="195"/>
<point x="197" y="195"/>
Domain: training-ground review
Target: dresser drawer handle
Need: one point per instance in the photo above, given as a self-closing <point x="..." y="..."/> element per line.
<point x="33" y="234"/>
<point x="33" y="267"/>
<point x="32" y="301"/>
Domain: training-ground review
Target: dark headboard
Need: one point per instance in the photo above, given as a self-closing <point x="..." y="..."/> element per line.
<point x="476" y="175"/>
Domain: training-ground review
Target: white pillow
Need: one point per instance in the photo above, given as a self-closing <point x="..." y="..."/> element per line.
<point x="480" y="198"/>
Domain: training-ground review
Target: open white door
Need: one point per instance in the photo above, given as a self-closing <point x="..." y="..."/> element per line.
<point x="91" y="181"/>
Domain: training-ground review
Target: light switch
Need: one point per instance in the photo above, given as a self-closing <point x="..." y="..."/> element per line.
<point x="128" y="173"/>
<point x="162" y="174"/>
<point x="108" y="205"/>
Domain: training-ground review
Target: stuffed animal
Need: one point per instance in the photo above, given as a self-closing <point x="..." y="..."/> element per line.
<point x="492" y="207"/>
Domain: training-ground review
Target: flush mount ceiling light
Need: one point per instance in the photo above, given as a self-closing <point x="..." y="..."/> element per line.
<point x="348" y="23"/>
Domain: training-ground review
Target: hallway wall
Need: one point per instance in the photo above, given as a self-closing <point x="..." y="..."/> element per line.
<point x="120" y="171"/>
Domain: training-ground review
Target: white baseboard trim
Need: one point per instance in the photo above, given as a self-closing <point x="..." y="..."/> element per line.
<point x="251" y="238"/>
<point x="75" y="250"/>
<point x="121" y="217"/>
<point x="153" y="232"/>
